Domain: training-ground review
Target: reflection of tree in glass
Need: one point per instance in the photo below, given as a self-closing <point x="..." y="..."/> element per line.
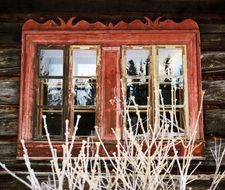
<point x="131" y="70"/>
<point x="44" y="66"/>
<point x="91" y="98"/>
<point x="146" y="63"/>
<point x="85" y="92"/>
<point x="179" y="79"/>
<point x="167" y="68"/>
<point x="54" y="92"/>
<point x="141" y="69"/>
<point x="136" y="88"/>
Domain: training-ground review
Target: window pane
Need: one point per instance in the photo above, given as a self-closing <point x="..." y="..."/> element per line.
<point x="86" y="123"/>
<point x="139" y="91"/>
<point x="54" y="123"/>
<point x="84" y="62"/>
<point x="51" y="62"/>
<point x="170" y="62"/>
<point x="174" y="120"/>
<point x="84" y="92"/>
<point x="135" y="124"/>
<point x="52" y="92"/>
<point x="137" y="62"/>
<point x="178" y="95"/>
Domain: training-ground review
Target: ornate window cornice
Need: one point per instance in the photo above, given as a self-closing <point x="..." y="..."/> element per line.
<point x="157" y="24"/>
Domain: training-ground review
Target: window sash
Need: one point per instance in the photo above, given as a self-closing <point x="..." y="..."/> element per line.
<point x="154" y="102"/>
<point x="67" y="107"/>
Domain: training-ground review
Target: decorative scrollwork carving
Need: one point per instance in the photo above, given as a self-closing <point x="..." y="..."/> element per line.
<point x="168" y="24"/>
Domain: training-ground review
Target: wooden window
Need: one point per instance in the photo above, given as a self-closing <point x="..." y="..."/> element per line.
<point x="137" y="72"/>
<point x="69" y="69"/>
<point x="84" y="85"/>
<point x="50" y="91"/>
<point x="66" y="87"/>
<point x="161" y="69"/>
<point x="171" y="80"/>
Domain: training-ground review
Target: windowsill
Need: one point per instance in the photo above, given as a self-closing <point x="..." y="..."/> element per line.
<point x="39" y="150"/>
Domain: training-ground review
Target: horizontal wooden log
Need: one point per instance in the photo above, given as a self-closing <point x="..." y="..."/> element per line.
<point x="103" y="5"/>
<point x="10" y="27"/>
<point x="9" y="109"/>
<point x="10" y="40"/>
<point x="7" y="150"/>
<point x="213" y="42"/>
<point x="7" y="182"/>
<point x="9" y="58"/>
<point x="212" y="28"/>
<point x="213" y="65"/>
<point x="210" y="145"/>
<point x="213" y="61"/>
<point x="8" y="127"/>
<point x="214" y="122"/>
<point x="214" y="91"/>
<point x="113" y="11"/>
<point x="10" y="62"/>
<point x="8" y="121"/>
<point x="9" y="93"/>
<point x="10" y="72"/>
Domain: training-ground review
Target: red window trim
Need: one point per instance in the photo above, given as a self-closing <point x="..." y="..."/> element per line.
<point x="110" y="37"/>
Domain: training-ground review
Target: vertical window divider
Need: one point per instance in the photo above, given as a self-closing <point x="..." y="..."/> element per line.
<point x="67" y="89"/>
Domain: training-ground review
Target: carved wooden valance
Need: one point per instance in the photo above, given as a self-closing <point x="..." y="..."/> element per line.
<point x="168" y="24"/>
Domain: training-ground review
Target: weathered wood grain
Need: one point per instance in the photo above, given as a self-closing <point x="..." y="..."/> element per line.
<point x="213" y="65"/>
<point x="9" y="183"/>
<point x="213" y="42"/>
<point x="213" y="61"/>
<point x="9" y="109"/>
<point x="7" y="150"/>
<point x="212" y="28"/>
<point x="9" y="58"/>
<point x="104" y="6"/>
<point x="113" y="16"/>
<point x="10" y="62"/>
<point x="214" y="122"/>
<point x="10" y="72"/>
<point x="214" y="91"/>
<point x="10" y="40"/>
<point x="8" y="124"/>
<point x="10" y="27"/>
<point x="9" y="93"/>
<point x="210" y="145"/>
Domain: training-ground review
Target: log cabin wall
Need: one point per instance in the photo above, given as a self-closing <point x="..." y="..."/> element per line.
<point x="210" y="15"/>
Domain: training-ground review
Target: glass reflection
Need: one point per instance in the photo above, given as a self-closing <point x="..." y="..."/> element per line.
<point x="84" y="62"/>
<point x="52" y="92"/>
<point x="170" y="62"/>
<point x="135" y="123"/>
<point x="137" y="62"/>
<point x="139" y="91"/>
<point x="84" y="92"/>
<point x="86" y="124"/>
<point x="175" y="121"/>
<point x="167" y="94"/>
<point x="54" y="122"/>
<point x="51" y="62"/>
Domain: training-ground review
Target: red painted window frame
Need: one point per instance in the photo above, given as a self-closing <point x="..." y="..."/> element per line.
<point x="110" y="37"/>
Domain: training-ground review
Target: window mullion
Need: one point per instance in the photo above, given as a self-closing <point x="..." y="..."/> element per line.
<point x="68" y="97"/>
